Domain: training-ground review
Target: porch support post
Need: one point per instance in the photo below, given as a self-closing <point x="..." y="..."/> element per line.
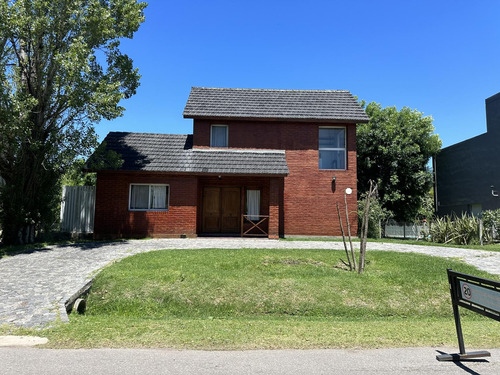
<point x="274" y="207"/>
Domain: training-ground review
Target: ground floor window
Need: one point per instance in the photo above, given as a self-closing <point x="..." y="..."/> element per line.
<point x="253" y="204"/>
<point x="144" y="197"/>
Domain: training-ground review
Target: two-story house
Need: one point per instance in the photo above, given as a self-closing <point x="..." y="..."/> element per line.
<point x="259" y="162"/>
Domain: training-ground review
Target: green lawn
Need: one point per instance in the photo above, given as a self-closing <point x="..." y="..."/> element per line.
<point x="249" y="299"/>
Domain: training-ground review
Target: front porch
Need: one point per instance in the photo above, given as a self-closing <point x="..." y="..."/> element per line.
<point x="240" y="206"/>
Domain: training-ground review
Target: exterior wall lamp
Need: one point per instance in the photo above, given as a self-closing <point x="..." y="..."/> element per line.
<point x="333" y="184"/>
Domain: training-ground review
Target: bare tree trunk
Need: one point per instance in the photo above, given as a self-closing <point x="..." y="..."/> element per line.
<point x="349" y="232"/>
<point x="364" y="227"/>
<point x="364" y="235"/>
<point x="343" y="239"/>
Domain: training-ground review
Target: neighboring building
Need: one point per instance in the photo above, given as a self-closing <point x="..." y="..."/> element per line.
<point x="279" y="157"/>
<point x="468" y="173"/>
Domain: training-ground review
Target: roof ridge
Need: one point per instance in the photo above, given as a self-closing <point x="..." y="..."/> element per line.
<point x="143" y="133"/>
<point x="250" y="89"/>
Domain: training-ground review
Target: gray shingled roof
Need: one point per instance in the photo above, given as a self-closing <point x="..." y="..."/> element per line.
<point x="324" y="105"/>
<point x="174" y="153"/>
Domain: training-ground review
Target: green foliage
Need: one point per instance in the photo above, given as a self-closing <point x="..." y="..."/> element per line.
<point x="103" y="159"/>
<point x="466" y="230"/>
<point x="393" y="149"/>
<point x="61" y="71"/>
<point x="463" y="230"/>
<point x="76" y="175"/>
<point x="441" y="230"/>
<point x="491" y="219"/>
<point x="426" y="210"/>
<point x="82" y="173"/>
<point x="378" y="215"/>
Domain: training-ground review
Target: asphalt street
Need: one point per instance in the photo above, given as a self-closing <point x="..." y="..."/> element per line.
<point x="32" y="361"/>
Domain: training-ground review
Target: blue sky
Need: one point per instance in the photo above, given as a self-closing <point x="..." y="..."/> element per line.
<point x="440" y="57"/>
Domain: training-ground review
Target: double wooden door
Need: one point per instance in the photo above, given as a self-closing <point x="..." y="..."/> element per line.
<point x="221" y="210"/>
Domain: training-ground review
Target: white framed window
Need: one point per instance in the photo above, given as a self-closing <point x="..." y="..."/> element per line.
<point x="253" y="204"/>
<point x="218" y="136"/>
<point x="332" y="151"/>
<point x="148" y="197"/>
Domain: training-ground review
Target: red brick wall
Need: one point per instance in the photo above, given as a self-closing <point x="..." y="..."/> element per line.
<point x="309" y="206"/>
<point x="276" y="191"/>
<point x="114" y="220"/>
<point x="304" y="204"/>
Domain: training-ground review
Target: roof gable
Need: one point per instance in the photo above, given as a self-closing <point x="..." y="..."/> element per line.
<point x="320" y="105"/>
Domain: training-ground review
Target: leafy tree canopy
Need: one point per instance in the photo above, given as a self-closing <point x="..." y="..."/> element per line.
<point x="61" y="71"/>
<point x="394" y="149"/>
<point x="75" y="175"/>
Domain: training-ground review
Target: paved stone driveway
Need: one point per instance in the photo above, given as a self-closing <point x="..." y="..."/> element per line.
<point x="34" y="286"/>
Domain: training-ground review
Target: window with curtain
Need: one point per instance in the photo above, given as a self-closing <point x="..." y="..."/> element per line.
<point x="253" y="204"/>
<point x="148" y="197"/>
<point x="332" y="152"/>
<point x="218" y="136"/>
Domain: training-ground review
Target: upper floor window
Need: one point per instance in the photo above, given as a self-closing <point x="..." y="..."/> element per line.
<point x="145" y="197"/>
<point x="218" y="136"/>
<point x="332" y="153"/>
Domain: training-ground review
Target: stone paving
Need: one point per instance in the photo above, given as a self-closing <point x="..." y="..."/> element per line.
<point x="34" y="286"/>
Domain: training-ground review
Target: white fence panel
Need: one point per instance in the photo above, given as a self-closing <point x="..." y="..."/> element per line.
<point x="78" y="209"/>
<point x="405" y="230"/>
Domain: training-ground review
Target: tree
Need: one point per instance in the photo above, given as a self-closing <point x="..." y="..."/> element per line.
<point x="393" y="150"/>
<point x="75" y="175"/>
<point x="61" y="72"/>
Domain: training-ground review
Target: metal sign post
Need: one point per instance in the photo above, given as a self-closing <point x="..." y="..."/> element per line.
<point x="476" y="294"/>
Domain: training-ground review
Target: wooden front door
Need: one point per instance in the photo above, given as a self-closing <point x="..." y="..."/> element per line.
<point x="221" y="210"/>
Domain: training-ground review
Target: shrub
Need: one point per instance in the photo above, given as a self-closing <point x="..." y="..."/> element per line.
<point x="491" y="221"/>
<point x="377" y="215"/>
<point x="464" y="230"/>
<point x="441" y="230"/>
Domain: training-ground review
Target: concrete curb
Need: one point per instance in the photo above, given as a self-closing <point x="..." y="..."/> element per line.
<point x="10" y="341"/>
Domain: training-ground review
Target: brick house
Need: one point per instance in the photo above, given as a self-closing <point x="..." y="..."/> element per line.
<point x="259" y="162"/>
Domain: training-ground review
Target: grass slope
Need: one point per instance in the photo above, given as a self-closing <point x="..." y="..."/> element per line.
<point x="278" y="283"/>
<point x="249" y="299"/>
